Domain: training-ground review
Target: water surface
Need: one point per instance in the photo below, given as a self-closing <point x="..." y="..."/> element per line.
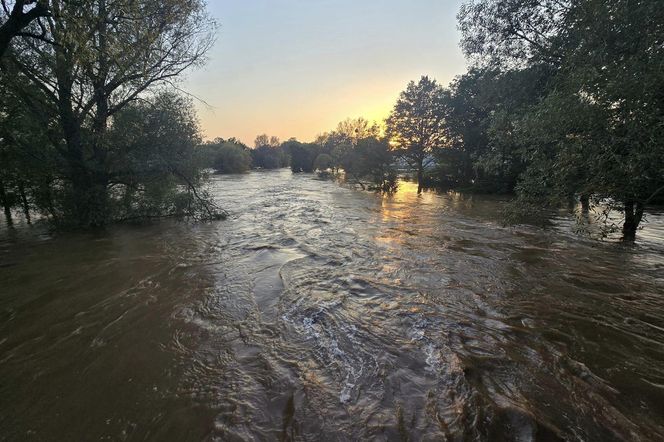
<point x="317" y="312"/>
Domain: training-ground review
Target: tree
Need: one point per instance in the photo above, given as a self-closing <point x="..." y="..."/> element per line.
<point x="266" y="141"/>
<point x="17" y="18"/>
<point x="302" y="155"/>
<point x="416" y="125"/>
<point x="231" y="158"/>
<point x="323" y="162"/>
<point x="618" y="70"/>
<point x="372" y="160"/>
<point x="513" y="33"/>
<point x="598" y="127"/>
<point x="224" y="156"/>
<point x="28" y="162"/>
<point x="510" y="96"/>
<point x="152" y="165"/>
<point x="352" y="130"/>
<point x="339" y="142"/>
<point x="96" y="58"/>
<point x="268" y="153"/>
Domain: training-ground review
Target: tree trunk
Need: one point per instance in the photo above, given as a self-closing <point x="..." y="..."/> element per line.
<point x="89" y="197"/>
<point x="88" y="202"/>
<point x="420" y="176"/>
<point x="5" y="203"/>
<point x="585" y="204"/>
<point x="84" y="198"/>
<point x="7" y="31"/>
<point x="24" y="201"/>
<point x="94" y="188"/>
<point x="470" y="174"/>
<point x="633" y="217"/>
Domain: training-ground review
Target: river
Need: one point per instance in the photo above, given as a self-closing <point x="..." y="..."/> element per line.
<point x="319" y="312"/>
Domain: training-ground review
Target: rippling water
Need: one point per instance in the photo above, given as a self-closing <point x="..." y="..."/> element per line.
<point x="317" y="312"/>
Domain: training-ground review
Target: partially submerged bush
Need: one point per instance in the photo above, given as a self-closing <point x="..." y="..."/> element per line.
<point x="231" y="158"/>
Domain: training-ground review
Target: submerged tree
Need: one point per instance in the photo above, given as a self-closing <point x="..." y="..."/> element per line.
<point x="268" y="153"/>
<point x="95" y="58"/>
<point x="415" y="126"/>
<point x="232" y="158"/>
<point x="598" y="129"/>
<point x="483" y="112"/>
<point x="302" y="155"/>
<point x="370" y="164"/>
<point x="28" y="168"/>
<point x="153" y="169"/>
<point x="225" y="156"/>
<point x="340" y="142"/>
<point x="356" y="147"/>
<point x="323" y="162"/>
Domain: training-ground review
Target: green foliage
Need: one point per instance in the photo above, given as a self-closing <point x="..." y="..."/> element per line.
<point x="152" y="147"/>
<point x="150" y="167"/>
<point x="268" y="153"/>
<point x="88" y="85"/>
<point x="356" y="148"/>
<point x="323" y="162"/>
<point x="225" y="157"/>
<point x="513" y="33"/>
<point x="483" y="111"/>
<point x="232" y="158"/>
<point x="371" y="160"/>
<point x="339" y="153"/>
<point x="593" y="125"/>
<point x="28" y="161"/>
<point x="302" y="155"/>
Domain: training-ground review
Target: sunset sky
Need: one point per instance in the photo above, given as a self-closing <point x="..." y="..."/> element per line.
<point x="295" y="68"/>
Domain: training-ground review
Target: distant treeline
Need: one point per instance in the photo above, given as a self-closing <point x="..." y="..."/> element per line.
<point x="355" y="147"/>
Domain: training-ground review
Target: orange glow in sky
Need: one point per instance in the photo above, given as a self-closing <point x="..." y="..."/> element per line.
<point x="292" y="68"/>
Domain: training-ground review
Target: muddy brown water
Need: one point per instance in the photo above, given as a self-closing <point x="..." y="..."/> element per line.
<point x="317" y="312"/>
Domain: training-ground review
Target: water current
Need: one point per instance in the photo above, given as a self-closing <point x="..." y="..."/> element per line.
<point x="319" y="312"/>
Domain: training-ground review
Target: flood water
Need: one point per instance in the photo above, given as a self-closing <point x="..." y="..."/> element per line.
<point x="318" y="312"/>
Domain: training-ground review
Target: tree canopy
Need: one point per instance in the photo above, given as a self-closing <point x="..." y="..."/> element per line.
<point x="415" y="127"/>
<point x="591" y="114"/>
<point x="92" y="61"/>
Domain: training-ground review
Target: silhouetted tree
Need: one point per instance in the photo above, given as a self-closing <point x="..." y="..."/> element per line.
<point x="371" y="160"/>
<point x="483" y="109"/>
<point x="514" y="33"/>
<point x="16" y="19"/>
<point x="302" y="155"/>
<point x="323" y="162"/>
<point x="268" y="153"/>
<point x="339" y="142"/>
<point x="416" y="125"/>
